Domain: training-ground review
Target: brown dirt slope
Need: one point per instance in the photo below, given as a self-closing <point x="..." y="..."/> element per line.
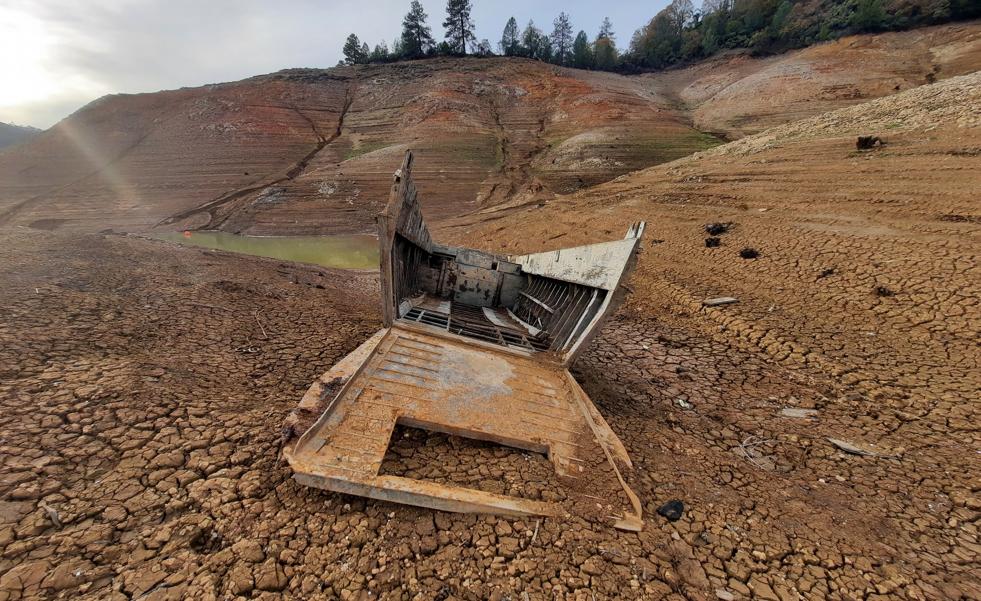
<point x="865" y="288"/>
<point x="737" y="95"/>
<point x="307" y="151"/>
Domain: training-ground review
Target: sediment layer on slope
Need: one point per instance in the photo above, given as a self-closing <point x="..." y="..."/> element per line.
<point x="864" y="278"/>
<point x="738" y="95"/>
<point x="312" y="151"/>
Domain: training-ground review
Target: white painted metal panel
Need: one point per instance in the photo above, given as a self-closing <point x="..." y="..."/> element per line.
<point x="597" y="265"/>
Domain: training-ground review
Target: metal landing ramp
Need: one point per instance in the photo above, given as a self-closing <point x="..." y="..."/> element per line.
<point x="422" y="379"/>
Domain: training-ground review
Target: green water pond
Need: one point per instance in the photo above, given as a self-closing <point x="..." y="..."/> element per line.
<point x="358" y="251"/>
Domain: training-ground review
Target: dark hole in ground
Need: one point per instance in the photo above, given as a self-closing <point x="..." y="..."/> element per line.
<point x="749" y="253"/>
<point x="206" y="541"/>
<point x="481" y="465"/>
<point x="712" y="242"/>
<point x="883" y="291"/>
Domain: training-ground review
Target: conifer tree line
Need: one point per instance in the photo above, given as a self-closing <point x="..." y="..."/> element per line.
<point x="678" y="34"/>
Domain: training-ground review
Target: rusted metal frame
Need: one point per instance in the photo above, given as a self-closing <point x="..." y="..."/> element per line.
<point x="463" y="330"/>
<point x="402" y="217"/>
<point x="569" y="317"/>
<point x="411" y="326"/>
<point x="528" y="306"/>
<point x="553" y="292"/>
<point x="582" y="319"/>
<point x="434" y="496"/>
<point x="537" y="302"/>
<point x="469" y="323"/>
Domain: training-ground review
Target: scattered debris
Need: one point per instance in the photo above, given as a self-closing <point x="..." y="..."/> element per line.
<point x="712" y="242"/>
<point x="883" y="291"/>
<point x="683" y="403"/>
<point x="826" y="272"/>
<point x="672" y="510"/>
<point x="749" y="253"/>
<point x="716" y="229"/>
<point x="797" y="412"/>
<point x="855" y="449"/>
<point x="868" y="142"/>
<point x="52" y="514"/>
<point x="748" y="449"/>
<point x="720" y="300"/>
<point x="256" y="315"/>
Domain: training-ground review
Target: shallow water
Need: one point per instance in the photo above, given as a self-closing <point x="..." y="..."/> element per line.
<point x="357" y="251"/>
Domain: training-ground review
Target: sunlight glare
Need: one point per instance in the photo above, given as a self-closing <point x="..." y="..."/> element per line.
<point x="29" y="69"/>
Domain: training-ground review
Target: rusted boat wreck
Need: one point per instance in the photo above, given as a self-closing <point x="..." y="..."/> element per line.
<point x="476" y="345"/>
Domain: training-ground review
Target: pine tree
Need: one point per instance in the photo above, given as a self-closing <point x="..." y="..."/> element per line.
<point x="353" y="51"/>
<point x="417" y="37"/>
<point x="510" y="45"/>
<point x="605" y="53"/>
<point x="582" y="54"/>
<point x="531" y="40"/>
<point x="606" y="30"/>
<point x="562" y="39"/>
<point x="459" y="25"/>
<point x="380" y="53"/>
<point x="544" y="49"/>
<point x="869" y="16"/>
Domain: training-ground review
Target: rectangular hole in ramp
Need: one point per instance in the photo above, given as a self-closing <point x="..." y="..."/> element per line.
<point x="477" y="464"/>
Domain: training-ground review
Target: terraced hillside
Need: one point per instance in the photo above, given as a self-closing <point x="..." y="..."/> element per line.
<point x="861" y="286"/>
<point x="312" y="150"/>
<point x="737" y="95"/>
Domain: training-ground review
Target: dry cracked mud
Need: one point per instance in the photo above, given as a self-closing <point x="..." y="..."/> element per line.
<point x="144" y="387"/>
<point x="822" y="432"/>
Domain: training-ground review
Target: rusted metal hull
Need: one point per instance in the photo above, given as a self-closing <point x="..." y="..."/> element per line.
<point x="458" y="355"/>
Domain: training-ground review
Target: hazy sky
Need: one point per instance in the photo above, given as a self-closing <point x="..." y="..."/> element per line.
<point x="57" y="55"/>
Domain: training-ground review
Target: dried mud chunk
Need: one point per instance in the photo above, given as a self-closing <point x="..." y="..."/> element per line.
<point x="270" y="576"/>
<point x="712" y="242"/>
<point x="240" y="579"/>
<point x="749" y="253"/>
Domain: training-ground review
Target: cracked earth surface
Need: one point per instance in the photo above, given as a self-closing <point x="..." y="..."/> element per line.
<point x="143" y="389"/>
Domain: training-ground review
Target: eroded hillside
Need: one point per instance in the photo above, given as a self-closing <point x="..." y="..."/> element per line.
<point x="861" y="285"/>
<point x="312" y="151"/>
<point x="737" y="95"/>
